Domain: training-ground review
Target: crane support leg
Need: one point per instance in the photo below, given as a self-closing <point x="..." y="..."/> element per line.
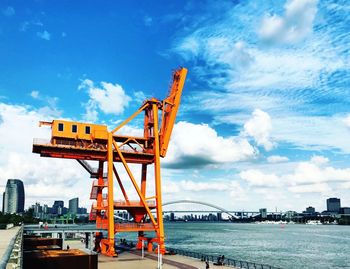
<point x="143" y="179"/>
<point x="108" y="244"/>
<point x="160" y="230"/>
<point x="99" y="198"/>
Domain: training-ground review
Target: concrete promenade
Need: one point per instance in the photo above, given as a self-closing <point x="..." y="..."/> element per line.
<point x="132" y="259"/>
<point x="5" y="239"/>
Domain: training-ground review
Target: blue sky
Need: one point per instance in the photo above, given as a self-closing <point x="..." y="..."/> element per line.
<point x="264" y="119"/>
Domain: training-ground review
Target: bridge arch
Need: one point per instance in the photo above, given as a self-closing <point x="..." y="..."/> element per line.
<point x="200" y="203"/>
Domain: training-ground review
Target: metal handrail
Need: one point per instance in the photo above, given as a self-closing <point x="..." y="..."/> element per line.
<point x="9" y="252"/>
<point x="227" y="262"/>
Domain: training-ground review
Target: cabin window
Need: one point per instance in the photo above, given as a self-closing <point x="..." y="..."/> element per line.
<point x="60" y="127"/>
<point x="87" y="129"/>
<point x="74" y="128"/>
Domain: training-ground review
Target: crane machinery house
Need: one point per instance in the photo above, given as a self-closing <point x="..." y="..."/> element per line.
<point x="77" y="133"/>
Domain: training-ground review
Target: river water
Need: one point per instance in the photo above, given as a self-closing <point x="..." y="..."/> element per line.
<point x="291" y="246"/>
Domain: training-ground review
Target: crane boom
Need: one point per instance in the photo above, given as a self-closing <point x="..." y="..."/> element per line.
<point x="170" y="108"/>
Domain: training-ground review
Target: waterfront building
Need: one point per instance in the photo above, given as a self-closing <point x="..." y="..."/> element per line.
<point x="38" y="209"/>
<point x="3" y="202"/>
<point x="13" y="200"/>
<point x="46" y="209"/>
<point x="345" y="210"/>
<point x="57" y="207"/>
<point x="73" y="206"/>
<point x="172" y="216"/>
<point x="82" y="210"/>
<point x="333" y="205"/>
<point x="263" y="213"/>
<point x="219" y="216"/>
<point x="310" y="210"/>
<point x="61" y="211"/>
<point x="291" y="214"/>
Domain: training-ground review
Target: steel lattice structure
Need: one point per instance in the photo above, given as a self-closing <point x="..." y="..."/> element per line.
<point x="91" y="142"/>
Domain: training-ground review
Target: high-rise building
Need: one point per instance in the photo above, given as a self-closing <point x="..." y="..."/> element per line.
<point x="219" y="216"/>
<point x="263" y="213"/>
<point x="13" y="200"/>
<point x="57" y="207"/>
<point x="46" y="209"/>
<point x="37" y="210"/>
<point x="3" y="202"/>
<point x="74" y="205"/>
<point x="333" y="205"/>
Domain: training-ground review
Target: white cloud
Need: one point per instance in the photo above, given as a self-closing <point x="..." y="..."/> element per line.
<point x="50" y="103"/>
<point x="129" y="130"/>
<point x="225" y="48"/>
<point x="259" y="127"/>
<point x="91" y="113"/>
<point x="34" y="94"/>
<point x="303" y="132"/>
<point x="317" y="132"/>
<point x="189" y="47"/>
<point x="277" y="159"/>
<point x="295" y="25"/>
<point x="259" y="179"/>
<point x="198" y="144"/>
<point x="170" y="187"/>
<point x="189" y="185"/>
<point x="9" y="11"/>
<point x="312" y="176"/>
<point x="284" y="69"/>
<point x="43" y="178"/>
<point x="319" y="160"/>
<point x="345" y="185"/>
<point x="311" y="188"/>
<point x="347" y="121"/>
<point x="109" y="98"/>
<point x="315" y="172"/>
<point x="225" y="191"/>
<point x="44" y="35"/>
<point x="139" y="97"/>
<point x="237" y="193"/>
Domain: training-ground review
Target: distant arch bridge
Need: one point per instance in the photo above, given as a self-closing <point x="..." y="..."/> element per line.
<point x="222" y="210"/>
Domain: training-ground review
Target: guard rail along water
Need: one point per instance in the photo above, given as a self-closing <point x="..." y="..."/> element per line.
<point x="13" y="256"/>
<point x="227" y="262"/>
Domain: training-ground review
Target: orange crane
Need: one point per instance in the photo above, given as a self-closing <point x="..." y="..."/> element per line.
<point x="91" y="142"/>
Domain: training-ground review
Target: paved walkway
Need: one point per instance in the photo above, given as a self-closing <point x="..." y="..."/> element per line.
<point x="131" y="259"/>
<point x="176" y="263"/>
<point x="5" y="239"/>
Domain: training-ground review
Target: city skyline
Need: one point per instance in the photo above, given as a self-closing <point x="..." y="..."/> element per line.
<point x="264" y="119"/>
<point x="44" y="211"/>
<point x="326" y="207"/>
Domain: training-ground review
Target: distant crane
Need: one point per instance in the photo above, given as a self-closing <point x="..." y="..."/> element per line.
<point x="92" y="142"/>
